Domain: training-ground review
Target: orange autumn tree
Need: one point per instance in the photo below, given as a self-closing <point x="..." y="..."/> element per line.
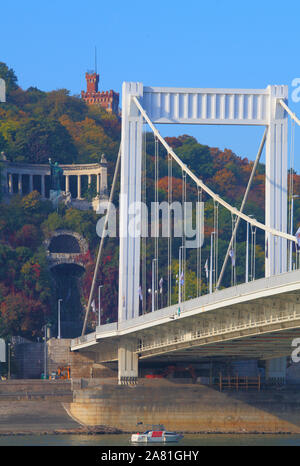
<point x="20" y="315"/>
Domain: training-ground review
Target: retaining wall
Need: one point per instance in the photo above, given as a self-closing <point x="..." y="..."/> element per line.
<point x="187" y="408"/>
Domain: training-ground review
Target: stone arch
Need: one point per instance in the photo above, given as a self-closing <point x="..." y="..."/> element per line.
<point x="66" y="241"/>
<point x="66" y="247"/>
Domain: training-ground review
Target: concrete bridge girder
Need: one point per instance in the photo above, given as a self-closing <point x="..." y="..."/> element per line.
<point x="256" y="321"/>
<point x="235" y="321"/>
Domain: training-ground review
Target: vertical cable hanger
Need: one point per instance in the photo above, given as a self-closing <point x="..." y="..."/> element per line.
<point x="183" y="242"/>
<point x="291" y="192"/>
<point x="156" y="169"/>
<point x="199" y="236"/>
<point x="144" y="238"/>
<point x="169" y="230"/>
<point x="216" y="240"/>
<point x="233" y="251"/>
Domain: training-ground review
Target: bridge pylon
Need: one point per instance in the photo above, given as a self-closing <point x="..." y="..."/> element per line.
<point x="248" y="107"/>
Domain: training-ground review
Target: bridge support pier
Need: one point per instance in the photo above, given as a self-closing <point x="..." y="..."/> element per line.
<point x="127" y="363"/>
<point x="276" y="370"/>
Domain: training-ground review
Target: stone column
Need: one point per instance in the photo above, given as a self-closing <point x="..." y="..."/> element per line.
<point x="43" y="192"/>
<point x="19" y="183"/>
<point x="10" y="184"/>
<point x="98" y="183"/>
<point x="30" y="183"/>
<point x="67" y="183"/>
<point x="89" y="180"/>
<point x="78" y="187"/>
<point x="103" y="180"/>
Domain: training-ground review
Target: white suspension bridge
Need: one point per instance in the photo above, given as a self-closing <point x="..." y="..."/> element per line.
<point x="256" y="319"/>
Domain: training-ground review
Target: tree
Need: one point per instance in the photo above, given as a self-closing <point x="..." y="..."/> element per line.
<point x="36" y="140"/>
<point x="20" y="315"/>
<point x="9" y="77"/>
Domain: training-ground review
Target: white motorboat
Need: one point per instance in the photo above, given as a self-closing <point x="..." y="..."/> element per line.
<point x="157" y="434"/>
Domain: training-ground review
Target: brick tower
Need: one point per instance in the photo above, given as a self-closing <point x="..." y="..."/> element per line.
<point x="92" y="80"/>
<point x="109" y="100"/>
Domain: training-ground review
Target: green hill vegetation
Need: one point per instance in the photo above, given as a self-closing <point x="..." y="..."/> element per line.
<point x="36" y="125"/>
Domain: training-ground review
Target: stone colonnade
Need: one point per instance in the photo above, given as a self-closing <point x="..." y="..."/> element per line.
<point x="22" y="178"/>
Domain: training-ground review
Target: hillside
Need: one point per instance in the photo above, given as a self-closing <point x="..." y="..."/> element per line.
<point x="35" y="125"/>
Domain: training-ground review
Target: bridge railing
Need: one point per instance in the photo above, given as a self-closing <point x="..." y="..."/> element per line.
<point x="89" y="337"/>
<point x="201" y="333"/>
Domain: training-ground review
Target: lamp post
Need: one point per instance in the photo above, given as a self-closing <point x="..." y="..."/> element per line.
<point x="45" y="351"/>
<point x="8" y="370"/>
<point x="211" y="263"/>
<point x="99" y="304"/>
<point x="247" y="253"/>
<point x="180" y="272"/>
<point x="153" y="284"/>
<point x="253" y="245"/>
<point x="58" y="320"/>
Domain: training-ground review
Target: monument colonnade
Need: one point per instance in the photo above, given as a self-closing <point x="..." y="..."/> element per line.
<point x="23" y="178"/>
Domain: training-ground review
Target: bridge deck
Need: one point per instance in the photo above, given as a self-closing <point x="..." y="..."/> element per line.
<point x="165" y="331"/>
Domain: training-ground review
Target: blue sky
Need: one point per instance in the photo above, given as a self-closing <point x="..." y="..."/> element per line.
<point x="195" y="43"/>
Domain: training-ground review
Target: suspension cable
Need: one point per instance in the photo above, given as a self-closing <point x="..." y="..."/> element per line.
<point x="200" y="183"/>
<point x="292" y="115"/>
<point x="242" y="205"/>
<point x="102" y="241"/>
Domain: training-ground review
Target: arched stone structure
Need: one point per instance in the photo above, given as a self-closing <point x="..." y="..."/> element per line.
<point x="66" y="247"/>
<point x="23" y="178"/>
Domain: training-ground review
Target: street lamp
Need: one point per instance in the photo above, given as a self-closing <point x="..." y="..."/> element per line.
<point x="247" y="252"/>
<point x="58" y="320"/>
<point x="253" y="245"/>
<point x="211" y="262"/>
<point x="180" y="270"/>
<point x="45" y="350"/>
<point x="153" y="284"/>
<point x="99" y="304"/>
<point x="8" y="371"/>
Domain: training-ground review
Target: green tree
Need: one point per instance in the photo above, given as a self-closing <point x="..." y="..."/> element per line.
<point x="9" y="77"/>
<point x="36" y="140"/>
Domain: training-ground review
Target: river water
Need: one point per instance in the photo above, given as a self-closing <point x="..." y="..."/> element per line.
<point x="123" y="440"/>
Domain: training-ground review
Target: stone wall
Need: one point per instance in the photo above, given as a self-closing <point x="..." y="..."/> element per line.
<point x="28" y="360"/>
<point x="82" y="365"/>
<point x="188" y="408"/>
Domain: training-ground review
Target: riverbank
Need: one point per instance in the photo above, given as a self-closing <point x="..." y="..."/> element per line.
<point x="187" y="407"/>
<point x="55" y="408"/>
<point x="29" y="407"/>
<point x="43" y="417"/>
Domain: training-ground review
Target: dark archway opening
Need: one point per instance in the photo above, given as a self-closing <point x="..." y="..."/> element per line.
<point x="63" y="243"/>
<point x="67" y="287"/>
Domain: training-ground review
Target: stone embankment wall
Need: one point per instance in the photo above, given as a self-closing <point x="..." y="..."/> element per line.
<point x="35" y="390"/>
<point x="187" y="408"/>
<point x="82" y="366"/>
